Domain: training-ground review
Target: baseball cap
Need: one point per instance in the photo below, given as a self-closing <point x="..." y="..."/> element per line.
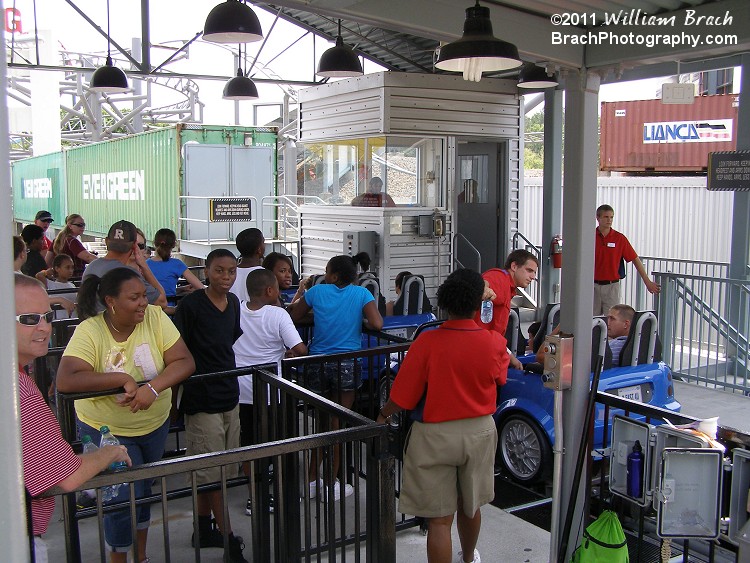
<point x="43" y="216"/>
<point x="122" y="231"/>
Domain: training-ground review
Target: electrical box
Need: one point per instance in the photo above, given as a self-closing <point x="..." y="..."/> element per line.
<point x="360" y="241"/>
<point x="684" y="489"/>
<point x="558" y="362"/>
<point x="431" y="225"/>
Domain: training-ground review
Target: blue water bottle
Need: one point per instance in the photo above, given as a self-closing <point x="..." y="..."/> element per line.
<point x="486" y="312"/>
<point x="635" y="471"/>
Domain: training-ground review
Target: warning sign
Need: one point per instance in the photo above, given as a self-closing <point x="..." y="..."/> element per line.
<point x="230" y="209"/>
<point x="729" y="171"/>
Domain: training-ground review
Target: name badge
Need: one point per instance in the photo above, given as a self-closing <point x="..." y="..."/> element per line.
<point x="611" y="244"/>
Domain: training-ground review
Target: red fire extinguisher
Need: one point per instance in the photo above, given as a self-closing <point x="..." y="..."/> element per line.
<point x="555" y="251"/>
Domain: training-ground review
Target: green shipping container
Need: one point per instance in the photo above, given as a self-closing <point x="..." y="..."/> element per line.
<point x="39" y="183"/>
<point x="138" y="178"/>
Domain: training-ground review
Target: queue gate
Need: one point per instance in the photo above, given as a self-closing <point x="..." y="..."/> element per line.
<point x="681" y="477"/>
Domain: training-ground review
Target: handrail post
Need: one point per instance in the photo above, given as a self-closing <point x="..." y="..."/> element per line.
<point x="665" y="308"/>
<point x="381" y="510"/>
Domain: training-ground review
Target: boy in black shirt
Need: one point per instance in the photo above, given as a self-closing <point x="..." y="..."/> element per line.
<point x="209" y="322"/>
<point x="33" y="236"/>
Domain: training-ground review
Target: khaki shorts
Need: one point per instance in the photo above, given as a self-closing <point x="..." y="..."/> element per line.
<point x="213" y="432"/>
<point x="446" y="461"/>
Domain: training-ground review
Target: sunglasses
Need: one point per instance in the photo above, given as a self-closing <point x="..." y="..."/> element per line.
<point x="142" y="245"/>
<point x="46" y="220"/>
<point x="82" y="225"/>
<point x="33" y="319"/>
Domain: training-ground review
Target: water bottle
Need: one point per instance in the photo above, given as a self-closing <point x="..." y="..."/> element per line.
<point x="88" y="447"/>
<point x="486" y="313"/>
<point x="635" y="471"/>
<point x="108" y="439"/>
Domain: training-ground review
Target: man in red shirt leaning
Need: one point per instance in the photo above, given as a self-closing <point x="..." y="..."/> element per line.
<point x="518" y="272"/>
<point x="611" y="247"/>
<point x="48" y="460"/>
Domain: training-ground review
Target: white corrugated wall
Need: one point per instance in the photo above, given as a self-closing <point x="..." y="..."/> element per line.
<point x="670" y="217"/>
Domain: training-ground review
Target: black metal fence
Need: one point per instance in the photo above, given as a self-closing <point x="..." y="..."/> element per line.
<point x="293" y="426"/>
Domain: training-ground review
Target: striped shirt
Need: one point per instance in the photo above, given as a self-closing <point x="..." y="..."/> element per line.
<point x="47" y="457"/>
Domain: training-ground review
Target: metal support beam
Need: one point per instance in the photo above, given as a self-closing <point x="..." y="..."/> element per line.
<point x="145" y="37"/>
<point x="13" y="535"/>
<point x="552" y="190"/>
<point x="579" y="209"/>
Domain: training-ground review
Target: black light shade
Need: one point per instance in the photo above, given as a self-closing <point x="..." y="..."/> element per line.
<point x="532" y="76"/>
<point x="240" y="88"/>
<point x="339" y="61"/>
<point x="109" y="79"/>
<point x="478" y="50"/>
<point x="232" y="22"/>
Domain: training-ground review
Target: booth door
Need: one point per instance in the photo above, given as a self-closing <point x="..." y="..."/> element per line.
<point x="479" y="210"/>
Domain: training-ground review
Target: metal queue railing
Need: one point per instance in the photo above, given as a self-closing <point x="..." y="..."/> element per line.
<point x="291" y="423"/>
<point x="704" y="323"/>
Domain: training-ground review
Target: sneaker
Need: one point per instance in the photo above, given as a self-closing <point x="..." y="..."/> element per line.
<point x="315" y="486"/>
<point x="249" y="508"/>
<point x="214" y="538"/>
<point x="348" y="490"/>
<point x="236" y="545"/>
<point x="476" y="559"/>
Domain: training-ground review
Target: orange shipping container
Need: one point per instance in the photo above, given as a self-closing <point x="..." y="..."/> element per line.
<point x="648" y="136"/>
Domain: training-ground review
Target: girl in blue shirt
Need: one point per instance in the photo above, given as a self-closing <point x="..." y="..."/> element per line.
<point x="167" y="269"/>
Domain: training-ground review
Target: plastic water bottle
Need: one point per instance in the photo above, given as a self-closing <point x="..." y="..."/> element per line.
<point x="635" y="471"/>
<point x="108" y="439"/>
<point x="88" y="447"/>
<point x="486" y="312"/>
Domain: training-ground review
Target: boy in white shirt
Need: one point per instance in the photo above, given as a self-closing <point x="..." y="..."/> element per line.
<point x="268" y="335"/>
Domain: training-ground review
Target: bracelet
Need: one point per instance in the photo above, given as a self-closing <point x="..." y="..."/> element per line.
<point x="154" y="391"/>
<point x="381" y="414"/>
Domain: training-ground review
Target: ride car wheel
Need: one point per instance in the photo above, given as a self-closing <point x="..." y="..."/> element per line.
<point x="523" y="448"/>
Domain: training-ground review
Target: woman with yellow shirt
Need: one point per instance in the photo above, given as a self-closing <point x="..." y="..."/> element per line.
<point x="128" y="344"/>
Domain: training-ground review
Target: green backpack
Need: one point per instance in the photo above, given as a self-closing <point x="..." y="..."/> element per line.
<point x="603" y="542"/>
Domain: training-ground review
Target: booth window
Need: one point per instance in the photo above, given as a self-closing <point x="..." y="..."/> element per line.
<point x="340" y="172"/>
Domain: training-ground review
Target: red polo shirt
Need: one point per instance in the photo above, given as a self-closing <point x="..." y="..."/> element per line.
<point x="458" y="366"/>
<point x="609" y="251"/>
<point x="502" y="284"/>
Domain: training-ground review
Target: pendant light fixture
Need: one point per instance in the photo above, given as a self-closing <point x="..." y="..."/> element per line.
<point x="232" y="22"/>
<point x="339" y="61"/>
<point x="240" y="87"/>
<point x="533" y="76"/>
<point x="478" y="50"/>
<point x="108" y="79"/>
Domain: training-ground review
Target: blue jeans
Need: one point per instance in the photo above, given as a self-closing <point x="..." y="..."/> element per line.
<point x="344" y="375"/>
<point x="141" y="449"/>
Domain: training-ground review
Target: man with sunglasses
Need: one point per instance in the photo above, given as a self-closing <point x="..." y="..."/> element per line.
<point x="48" y="460"/>
<point x="122" y="246"/>
<point x="44" y="219"/>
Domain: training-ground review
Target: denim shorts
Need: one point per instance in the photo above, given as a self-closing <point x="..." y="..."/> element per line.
<point x="141" y="449"/>
<point x="344" y="375"/>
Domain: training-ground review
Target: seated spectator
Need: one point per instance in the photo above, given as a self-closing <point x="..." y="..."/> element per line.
<point x="368" y="279"/>
<point x="282" y="267"/>
<point x="19" y="254"/>
<point x="374" y="197"/>
<point x="533" y="329"/>
<point x="168" y="270"/>
<point x="122" y="246"/>
<point x="67" y="242"/>
<point x="397" y="307"/>
<point x="48" y="460"/>
<point x="33" y="236"/>
<point x="44" y="219"/>
<point x="268" y="335"/>
<point x="618" y="327"/>
<point x="58" y="277"/>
